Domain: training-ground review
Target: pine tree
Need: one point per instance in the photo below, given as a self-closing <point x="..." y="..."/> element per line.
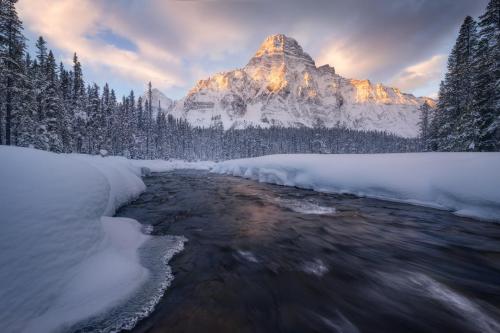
<point x="466" y="125"/>
<point x="107" y="112"/>
<point x="455" y="105"/>
<point x="12" y="46"/>
<point x="438" y="120"/>
<point x="80" y="116"/>
<point x="115" y="123"/>
<point x="95" y="121"/>
<point x="131" y="121"/>
<point x="424" y="125"/>
<point x="53" y="107"/>
<point x="140" y="115"/>
<point x="25" y="121"/>
<point x="40" y="75"/>
<point x="66" y="117"/>
<point x="486" y="86"/>
<point x="149" y="120"/>
<point x="160" y="133"/>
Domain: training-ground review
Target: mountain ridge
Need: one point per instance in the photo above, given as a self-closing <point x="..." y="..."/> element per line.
<point x="281" y="86"/>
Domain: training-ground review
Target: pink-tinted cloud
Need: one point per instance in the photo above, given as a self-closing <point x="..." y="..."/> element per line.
<point x="70" y="25"/>
<point x="422" y="74"/>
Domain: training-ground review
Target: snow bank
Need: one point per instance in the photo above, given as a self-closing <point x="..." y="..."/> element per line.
<point x="122" y="175"/>
<point x="465" y="183"/>
<point x="61" y="260"/>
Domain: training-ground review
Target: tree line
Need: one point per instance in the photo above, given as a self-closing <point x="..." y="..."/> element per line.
<point x="181" y="140"/>
<point x="467" y="116"/>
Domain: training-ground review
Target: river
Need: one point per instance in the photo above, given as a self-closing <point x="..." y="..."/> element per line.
<point x="268" y="258"/>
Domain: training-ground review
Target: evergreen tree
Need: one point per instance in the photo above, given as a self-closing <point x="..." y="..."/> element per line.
<point x="107" y="113"/>
<point x="40" y="72"/>
<point x="115" y="123"/>
<point x="52" y="106"/>
<point x="424" y="125"/>
<point x="486" y="85"/>
<point x="466" y="127"/>
<point x="12" y="46"/>
<point x="95" y="120"/>
<point x="26" y="122"/>
<point x="79" y="113"/>
<point x="455" y="106"/>
<point x="66" y="116"/>
<point x="149" y="120"/>
<point x="131" y="122"/>
<point x="41" y="47"/>
<point x="140" y="114"/>
<point x="159" y="133"/>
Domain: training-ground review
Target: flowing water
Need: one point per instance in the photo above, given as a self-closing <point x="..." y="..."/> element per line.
<point x="267" y="258"/>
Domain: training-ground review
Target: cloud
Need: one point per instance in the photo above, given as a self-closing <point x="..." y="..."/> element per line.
<point x="78" y="26"/>
<point x="172" y="42"/>
<point x="349" y="61"/>
<point x="422" y="74"/>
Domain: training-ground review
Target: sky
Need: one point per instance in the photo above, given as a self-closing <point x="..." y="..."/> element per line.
<point x="173" y="44"/>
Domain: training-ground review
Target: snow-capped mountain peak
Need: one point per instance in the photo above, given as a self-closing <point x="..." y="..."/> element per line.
<point x="282" y="86"/>
<point x="277" y="57"/>
<point x="281" y="47"/>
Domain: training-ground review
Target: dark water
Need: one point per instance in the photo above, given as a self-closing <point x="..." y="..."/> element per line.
<point x="259" y="260"/>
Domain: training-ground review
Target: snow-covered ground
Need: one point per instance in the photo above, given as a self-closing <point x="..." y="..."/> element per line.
<point x="466" y="183"/>
<point x="62" y="257"/>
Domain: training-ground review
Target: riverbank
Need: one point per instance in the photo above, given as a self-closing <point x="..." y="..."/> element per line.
<point x="467" y="184"/>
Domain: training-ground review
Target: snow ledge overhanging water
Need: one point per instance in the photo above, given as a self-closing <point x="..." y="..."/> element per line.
<point x="63" y="258"/>
<point x="467" y="184"/>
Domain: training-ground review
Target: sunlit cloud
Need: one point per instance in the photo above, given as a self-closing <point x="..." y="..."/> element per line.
<point x="349" y="61"/>
<point x="421" y="75"/>
<point x="75" y="26"/>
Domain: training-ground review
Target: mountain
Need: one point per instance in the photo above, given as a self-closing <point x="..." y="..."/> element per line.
<point x="282" y="86"/>
<point x="159" y="99"/>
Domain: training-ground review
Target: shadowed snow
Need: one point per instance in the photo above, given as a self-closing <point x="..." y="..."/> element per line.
<point x="63" y="258"/>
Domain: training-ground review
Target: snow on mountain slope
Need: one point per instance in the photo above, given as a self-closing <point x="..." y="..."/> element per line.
<point x="159" y="100"/>
<point x="281" y="85"/>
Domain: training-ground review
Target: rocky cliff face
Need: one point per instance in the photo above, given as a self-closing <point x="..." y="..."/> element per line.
<point x="282" y="86"/>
